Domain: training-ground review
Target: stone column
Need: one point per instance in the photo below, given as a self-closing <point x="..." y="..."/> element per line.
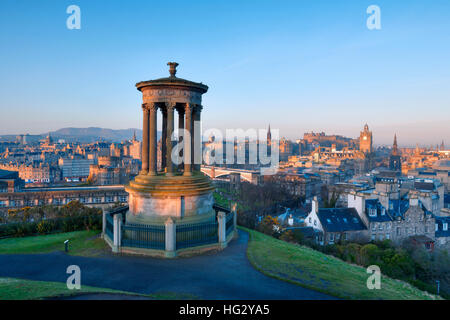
<point x="145" y="139"/>
<point x="163" y="139"/>
<point x="117" y="232"/>
<point x="152" y="140"/>
<point x="234" y="210"/>
<point x="222" y="232"/>
<point x="171" y="238"/>
<point x="104" y="223"/>
<point x="197" y="141"/>
<point x="169" y="164"/>
<point x="188" y="140"/>
<point x="180" y="132"/>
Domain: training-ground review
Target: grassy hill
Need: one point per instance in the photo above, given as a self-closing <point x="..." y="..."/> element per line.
<point x="315" y="270"/>
<point x="83" y="243"/>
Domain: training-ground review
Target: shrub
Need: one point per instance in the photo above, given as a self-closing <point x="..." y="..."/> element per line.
<point x="287" y="236"/>
<point x="44" y="227"/>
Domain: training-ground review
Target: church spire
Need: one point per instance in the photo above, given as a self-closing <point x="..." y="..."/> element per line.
<point x="395" y="146"/>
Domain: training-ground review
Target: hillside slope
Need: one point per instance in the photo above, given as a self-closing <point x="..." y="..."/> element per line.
<point x="315" y="270"/>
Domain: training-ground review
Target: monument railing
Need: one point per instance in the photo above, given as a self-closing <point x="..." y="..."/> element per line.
<point x="229" y="223"/>
<point x="193" y="235"/>
<point x="143" y="236"/>
<point x="109" y="229"/>
<point x="146" y="236"/>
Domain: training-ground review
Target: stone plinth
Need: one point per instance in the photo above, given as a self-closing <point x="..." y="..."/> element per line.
<point x="153" y="199"/>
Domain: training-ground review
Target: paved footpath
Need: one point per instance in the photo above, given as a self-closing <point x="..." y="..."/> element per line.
<point x="224" y="275"/>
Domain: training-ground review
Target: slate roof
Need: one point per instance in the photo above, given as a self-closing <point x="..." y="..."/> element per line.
<point x="440" y="233"/>
<point x="447" y="199"/>
<point x="340" y="219"/>
<point x="5" y="174"/>
<point x="399" y="207"/>
<point x="427" y="186"/>
<point x="375" y="204"/>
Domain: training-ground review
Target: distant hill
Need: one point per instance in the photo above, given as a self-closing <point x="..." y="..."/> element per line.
<point x="83" y="135"/>
<point x="92" y="134"/>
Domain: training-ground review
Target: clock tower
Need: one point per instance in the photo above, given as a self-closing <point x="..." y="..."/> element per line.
<point x="365" y="140"/>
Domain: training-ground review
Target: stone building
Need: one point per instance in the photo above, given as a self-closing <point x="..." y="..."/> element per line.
<point x="98" y="196"/>
<point x="442" y="232"/>
<point x="335" y="224"/>
<point x="75" y="168"/>
<point x="394" y="219"/>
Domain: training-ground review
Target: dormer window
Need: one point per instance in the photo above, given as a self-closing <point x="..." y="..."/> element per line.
<point x="383" y="211"/>
<point x="445" y="226"/>
<point x="372" y="212"/>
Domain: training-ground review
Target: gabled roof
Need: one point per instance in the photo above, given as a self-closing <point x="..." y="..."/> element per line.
<point x="447" y="198"/>
<point x="340" y="219"/>
<point x="399" y="207"/>
<point x="380" y="217"/>
<point x="440" y="233"/>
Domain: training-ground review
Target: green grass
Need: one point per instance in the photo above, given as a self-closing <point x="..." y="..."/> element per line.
<point x="314" y="270"/>
<point x="221" y="200"/>
<point x="83" y="243"/>
<point x="20" y="289"/>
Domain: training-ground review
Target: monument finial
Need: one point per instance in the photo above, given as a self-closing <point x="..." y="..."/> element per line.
<point x="173" y="68"/>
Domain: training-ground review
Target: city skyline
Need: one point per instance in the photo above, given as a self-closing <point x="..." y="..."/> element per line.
<point x="300" y="68"/>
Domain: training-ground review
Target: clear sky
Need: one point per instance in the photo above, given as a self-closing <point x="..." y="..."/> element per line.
<point x="298" y="65"/>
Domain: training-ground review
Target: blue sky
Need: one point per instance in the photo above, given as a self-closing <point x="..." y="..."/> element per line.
<point x="300" y="65"/>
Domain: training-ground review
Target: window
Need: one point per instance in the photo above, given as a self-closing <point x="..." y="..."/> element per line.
<point x="310" y="220"/>
<point x="398" y="231"/>
<point x="383" y="211"/>
<point x="374" y="226"/>
<point x="436" y="228"/>
<point x="345" y="236"/>
<point x="315" y="222"/>
<point x="373" y="237"/>
<point x="381" y="226"/>
<point x="445" y="226"/>
<point x="388" y="236"/>
<point x="331" y="236"/>
<point x="372" y="212"/>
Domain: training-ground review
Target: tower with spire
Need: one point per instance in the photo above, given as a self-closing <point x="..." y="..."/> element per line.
<point x="395" y="162"/>
<point x="269" y="137"/>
